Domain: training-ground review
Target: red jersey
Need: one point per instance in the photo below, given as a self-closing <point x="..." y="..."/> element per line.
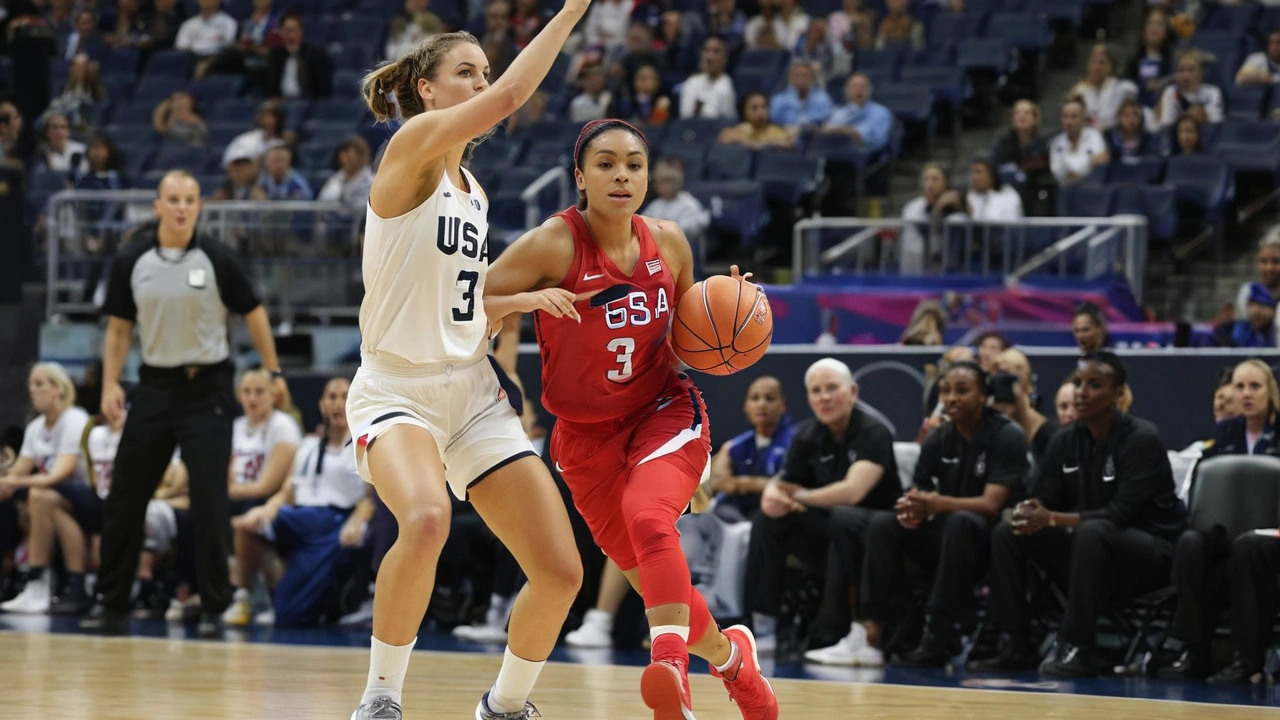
<point x="618" y="360"/>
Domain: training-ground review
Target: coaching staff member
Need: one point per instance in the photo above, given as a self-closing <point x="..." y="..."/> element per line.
<point x="176" y="287"/>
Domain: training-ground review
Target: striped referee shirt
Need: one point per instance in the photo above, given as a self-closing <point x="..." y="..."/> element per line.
<point x="178" y="298"/>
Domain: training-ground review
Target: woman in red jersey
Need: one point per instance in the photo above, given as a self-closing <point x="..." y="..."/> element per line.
<point x="631" y="436"/>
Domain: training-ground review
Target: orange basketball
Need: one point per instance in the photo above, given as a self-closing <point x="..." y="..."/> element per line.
<point x="722" y="325"/>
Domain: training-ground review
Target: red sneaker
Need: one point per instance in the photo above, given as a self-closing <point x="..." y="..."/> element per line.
<point x="746" y="686"/>
<point x="665" y="688"/>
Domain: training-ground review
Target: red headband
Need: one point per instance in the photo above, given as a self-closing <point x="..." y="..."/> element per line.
<point x="586" y="130"/>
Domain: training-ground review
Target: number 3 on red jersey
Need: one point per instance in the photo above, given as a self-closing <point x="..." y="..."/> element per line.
<point x="624" y="347"/>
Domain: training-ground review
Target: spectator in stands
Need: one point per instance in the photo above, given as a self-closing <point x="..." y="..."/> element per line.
<point x="756" y="131"/>
<point x="1151" y="69"/>
<point x="1186" y="136"/>
<point x="311" y="520"/>
<point x="605" y="30"/>
<point x="723" y="19"/>
<point x="1258" y="327"/>
<point x="989" y="345"/>
<point x="242" y="168"/>
<point x="1078" y="149"/>
<point x="1100" y="90"/>
<point x="103" y="166"/>
<point x="968" y="470"/>
<point x="1189" y="95"/>
<point x="260" y="32"/>
<point x="801" y="106"/>
<point x="350" y="184"/>
<point x="641" y="50"/>
<point x="898" y="29"/>
<point x="415" y="24"/>
<point x="1089" y="327"/>
<point x="296" y="68"/>
<point x="1022" y="153"/>
<point x="928" y="322"/>
<point x="647" y="103"/>
<point x="866" y="121"/>
<point x="1129" y="141"/>
<point x="1021" y="385"/>
<point x="852" y="28"/>
<point x="716" y="542"/>
<point x="783" y="20"/>
<point x="709" y="94"/>
<point x="1268" y="265"/>
<point x="1200" y="558"/>
<point x="1101" y="526"/>
<point x="1225" y="403"/>
<point x="270" y="129"/>
<point x="498" y="40"/>
<point x="842" y="457"/>
<point x="83" y="88"/>
<point x="924" y="214"/>
<point x="84" y="40"/>
<point x="14" y="150"/>
<point x="103" y="171"/>
<point x="988" y="197"/>
<point x="60" y="16"/>
<point x="1262" y="68"/>
<point x="279" y="180"/>
<point x="1064" y="400"/>
<point x="130" y="27"/>
<point x="594" y="100"/>
<point x="264" y="444"/>
<point x="676" y="204"/>
<point x="178" y="120"/>
<point x="207" y="35"/>
<point x="51" y="475"/>
<point x="527" y="21"/>
<point x="59" y="152"/>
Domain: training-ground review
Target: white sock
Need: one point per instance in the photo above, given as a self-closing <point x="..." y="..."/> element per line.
<point x="515" y="682"/>
<point x="680" y="631"/>
<point x="387" y="666"/>
<point x="733" y="659"/>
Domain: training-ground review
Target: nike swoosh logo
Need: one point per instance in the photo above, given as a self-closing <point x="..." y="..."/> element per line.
<point x="665" y="402"/>
<point x="950" y="461"/>
<point x="826" y="458"/>
<point x="1066" y="469"/>
<point x="589" y="276"/>
<point x="1108" y="478"/>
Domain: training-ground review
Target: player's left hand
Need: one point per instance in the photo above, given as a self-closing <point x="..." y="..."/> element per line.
<point x="733" y="273"/>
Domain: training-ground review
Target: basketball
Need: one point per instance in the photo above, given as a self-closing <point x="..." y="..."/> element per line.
<point x="722" y="325"/>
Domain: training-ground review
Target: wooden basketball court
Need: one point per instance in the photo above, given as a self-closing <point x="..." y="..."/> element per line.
<point x="74" y="677"/>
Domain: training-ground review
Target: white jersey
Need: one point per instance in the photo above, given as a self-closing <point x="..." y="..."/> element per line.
<point x="250" y="444"/>
<point x="424" y="277"/>
<point x="45" y="444"/>
<point x="326" y="476"/>
<point x="102" y="445"/>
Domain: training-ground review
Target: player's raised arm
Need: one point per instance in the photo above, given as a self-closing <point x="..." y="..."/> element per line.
<point x="434" y="69"/>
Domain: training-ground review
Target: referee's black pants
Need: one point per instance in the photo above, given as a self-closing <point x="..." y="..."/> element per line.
<point x="1097" y="564"/>
<point x="192" y="408"/>
<point x="1255" y="595"/>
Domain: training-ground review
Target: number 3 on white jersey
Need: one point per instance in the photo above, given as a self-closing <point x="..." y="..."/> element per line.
<point x="624" y="347"/>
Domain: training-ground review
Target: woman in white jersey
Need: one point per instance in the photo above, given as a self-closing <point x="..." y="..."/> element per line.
<point x="52" y="475"/>
<point x="425" y="408"/>
<point x="263" y="443"/>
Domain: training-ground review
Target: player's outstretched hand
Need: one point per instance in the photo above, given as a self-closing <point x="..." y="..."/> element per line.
<point x="733" y="273"/>
<point x="556" y="302"/>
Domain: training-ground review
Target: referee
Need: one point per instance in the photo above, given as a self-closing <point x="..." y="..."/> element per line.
<point x="176" y="287"/>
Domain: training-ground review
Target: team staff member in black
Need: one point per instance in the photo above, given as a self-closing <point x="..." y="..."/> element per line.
<point x="176" y="287"/>
<point x="969" y="469"/>
<point x="839" y="459"/>
<point x="1102" y="525"/>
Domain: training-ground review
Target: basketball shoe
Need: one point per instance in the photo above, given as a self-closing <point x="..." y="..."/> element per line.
<point x="746" y="686"/>
<point x="665" y="683"/>
<point x="379" y="708"/>
<point x="484" y="713"/>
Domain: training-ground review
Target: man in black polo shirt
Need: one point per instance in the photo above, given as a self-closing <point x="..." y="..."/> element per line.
<point x="176" y="288"/>
<point x="839" y="459"/>
<point x="1102" y="525"/>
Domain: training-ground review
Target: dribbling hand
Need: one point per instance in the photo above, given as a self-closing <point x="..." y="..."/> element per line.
<point x="113" y="401"/>
<point x="733" y="273"/>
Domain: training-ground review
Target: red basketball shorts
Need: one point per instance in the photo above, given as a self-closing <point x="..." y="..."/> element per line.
<point x="598" y="460"/>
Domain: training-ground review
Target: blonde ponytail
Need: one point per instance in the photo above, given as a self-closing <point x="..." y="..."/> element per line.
<point x="400" y="77"/>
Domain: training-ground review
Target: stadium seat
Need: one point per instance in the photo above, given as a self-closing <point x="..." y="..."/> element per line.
<point x="1246" y="102"/>
<point x="700" y="130"/>
<point x="984" y="54"/>
<point x="692" y="155"/>
<point x="889" y="61"/>
<point x="729" y="162"/>
<point x="788" y="178"/>
<point x="1086" y="201"/>
<point x="948" y="84"/>
<point x="1138" y="173"/>
<point x="132" y="113"/>
<point x="1156" y="202"/>
<point x="756" y="80"/>
<point x="213" y="90"/>
<point x="232" y="110"/>
<point x="1235" y="19"/>
<point x="1203" y="184"/>
<point x="768" y="62"/>
<point x="737" y="208"/>
<point x="170" y="156"/>
<point x="170" y="63"/>
<point x="1024" y="31"/>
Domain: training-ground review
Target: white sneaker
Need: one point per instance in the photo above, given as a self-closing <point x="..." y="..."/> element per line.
<point x="852" y="650"/>
<point x="363" y="615"/>
<point x="266" y="617"/>
<point x="596" y="631"/>
<point x="240" y="611"/>
<point x="34" y="599"/>
<point x="766" y="644"/>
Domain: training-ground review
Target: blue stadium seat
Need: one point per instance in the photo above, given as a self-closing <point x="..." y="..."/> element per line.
<point x="909" y="103"/>
<point x="729" y="162"/>
<point x="1203" y="184"/>
<point x="170" y="63"/>
<point x="222" y="133"/>
<point x="1246" y="102"/>
<point x="1059" y="12"/>
<point x="48" y="182"/>
<point x="120" y="61"/>
<point x="132" y="113"/>
<point x="1250" y="145"/>
<point x="1024" y="31"/>
<point x="507" y="210"/>
<point x="890" y="60"/>
<point x="171" y="156"/>
<point x="750" y="81"/>
<point x="543" y="154"/>
<point x="700" y="130"/>
<point x="315" y="156"/>
<point x="232" y="110"/>
<point x="358" y="29"/>
<point x="347" y="82"/>
<point x="837" y="149"/>
<point x="1155" y="202"/>
<point x="1085" y="201"/>
<point x="737" y="208"/>
<point x="768" y="62"/>
<point x="692" y="155"/>
<point x="949" y="85"/>
<point x="948" y="29"/>
<point x="1142" y="172"/>
<point x="354" y="58"/>
<point x="788" y="178"/>
<point x="554" y="82"/>
<point x="213" y="90"/>
<point x="344" y="108"/>
<point x="984" y="54"/>
<point x="153" y="89"/>
<point x="1236" y="19"/>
